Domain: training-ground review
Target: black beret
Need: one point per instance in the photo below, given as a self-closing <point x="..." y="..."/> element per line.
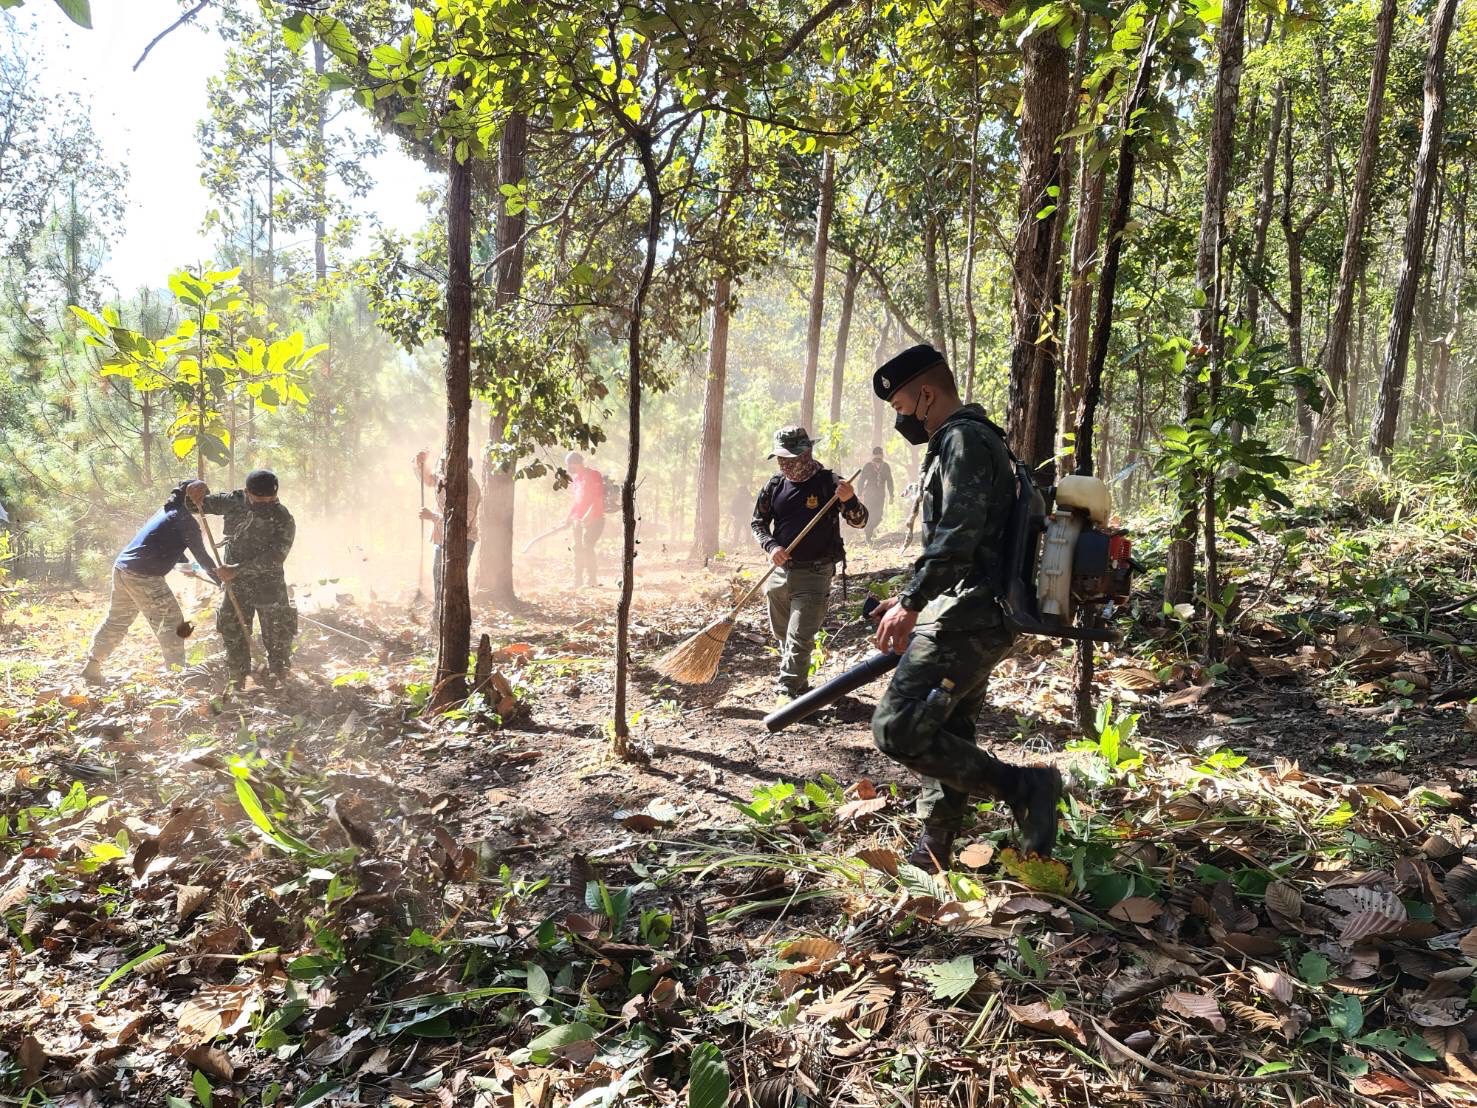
<point x="901" y="369"/>
<point x="261" y="482"/>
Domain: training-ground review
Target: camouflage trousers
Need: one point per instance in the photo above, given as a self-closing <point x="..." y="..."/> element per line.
<point x="944" y="752"/>
<point x="798" y="595"/>
<point x="134" y="595"/>
<point x="266" y="599"/>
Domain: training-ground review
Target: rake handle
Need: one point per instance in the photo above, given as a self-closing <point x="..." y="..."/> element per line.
<point x="835" y="496"/>
<point x="230" y="593"/>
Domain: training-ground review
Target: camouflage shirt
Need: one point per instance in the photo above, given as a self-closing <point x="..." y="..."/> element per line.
<point x="968" y="490"/>
<point x="257" y="537"/>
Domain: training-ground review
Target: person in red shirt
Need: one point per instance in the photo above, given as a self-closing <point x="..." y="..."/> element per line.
<point x="587" y="513"/>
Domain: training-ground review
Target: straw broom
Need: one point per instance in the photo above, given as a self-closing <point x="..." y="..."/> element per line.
<point x="695" y="660"/>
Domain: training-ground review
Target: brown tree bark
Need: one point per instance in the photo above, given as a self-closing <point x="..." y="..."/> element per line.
<point x="495" y="549"/>
<point x="880" y="354"/>
<point x="1084" y="262"/>
<point x="1336" y="352"/>
<point x="1397" y="344"/>
<point x="818" y="288"/>
<point x="651" y="177"/>
<point x="843" y="336"/>
<point x="1265" y="203"/>
<point x="1034" y="351"/>
<point x="1086" y="413"/>
<point x="1179" y="578"/>
<point x="1092" y="382"/>
<point x="455" y="632"/>
<point x="709" y="509"/>
<point x="932" y="294"/>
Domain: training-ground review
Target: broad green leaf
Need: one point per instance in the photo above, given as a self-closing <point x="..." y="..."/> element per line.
<point x="1346" y="1015"/>
<point x="203" y="1092"/>
<point x="78" y="11"/>
<point x="951" y="980"/>
<point x="707" y="1086"/>
<point x="563" y="1035"/>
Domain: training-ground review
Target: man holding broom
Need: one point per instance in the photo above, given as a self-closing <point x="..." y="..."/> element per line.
<point x="799" y="590"/>
<point x="259" y="533"/>
<point x="926" y="719"/>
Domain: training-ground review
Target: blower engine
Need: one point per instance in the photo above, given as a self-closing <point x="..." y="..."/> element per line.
<point x="1076" y="561"/>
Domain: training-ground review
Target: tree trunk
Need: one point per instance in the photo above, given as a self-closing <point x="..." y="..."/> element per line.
<point x="495" y="549"/>
<point x="971" y="316"/>
<point x="709" y="507"/>
<point x="1179" y="579"/>
<point x="320" y="179"/>
<point x="818" y="289"/>
<point x="843" y="335"/>
<point x="1086" y="413"/>
<point x="879" y="355"/>
<point x="1092" y="381"/>
<point x="1397" y="344"/>
<point x="1265" y="203"/>
<point x="932" y="296"/>
<point x="1080" y="287"/>
<point x="1292" y="235"/>
<point x="455" y="632"/>
<point x="652" y="177"/>
<point x="1033" y="352"/>
<point x="1336" y="352"/>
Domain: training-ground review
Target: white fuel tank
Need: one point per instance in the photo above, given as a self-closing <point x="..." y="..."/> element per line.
<point x="1080" y="493"/>
<point x="1054" y="582"/>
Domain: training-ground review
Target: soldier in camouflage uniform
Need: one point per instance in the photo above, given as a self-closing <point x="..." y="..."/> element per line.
<point x="926" y="719"/>
<point x="258" y="536"/>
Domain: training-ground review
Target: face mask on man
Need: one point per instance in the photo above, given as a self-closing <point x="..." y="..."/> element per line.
<point x="799" y="470"/>
<point x="911" y="426"/>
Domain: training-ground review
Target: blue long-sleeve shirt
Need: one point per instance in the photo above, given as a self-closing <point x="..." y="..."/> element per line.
<point x="162" y="542"/>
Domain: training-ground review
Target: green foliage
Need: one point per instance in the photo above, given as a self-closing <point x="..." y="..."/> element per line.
<point x="208" y="363"/>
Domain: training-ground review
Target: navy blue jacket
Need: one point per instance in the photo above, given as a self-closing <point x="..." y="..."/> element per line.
<point x="162" y="542"/>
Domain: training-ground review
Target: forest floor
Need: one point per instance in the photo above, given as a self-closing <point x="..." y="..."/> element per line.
<point x="312" y="895"/>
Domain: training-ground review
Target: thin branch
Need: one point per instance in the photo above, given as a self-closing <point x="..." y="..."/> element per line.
<point x="176" y="25"/>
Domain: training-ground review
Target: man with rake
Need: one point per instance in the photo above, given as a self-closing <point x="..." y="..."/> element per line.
<point x="926" y="719"/>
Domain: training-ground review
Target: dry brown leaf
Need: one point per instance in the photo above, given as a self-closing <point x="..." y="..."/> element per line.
<point x="211" y="1061"/>
<point x="189" y="899"/>
<point x="1274" y="983"/>
<point x="1384" y="1084"/>
<point x="1195" y="1006"/>
<point x="1133" y="677"/>
<point x="1284" y="899"/>
<point x="864" y="789"/>
<point x="1468" y="945"/>
<point x="1446" y="1012"/>
<point x="809" y="953"/>
<point x="32" y="1058"/>
<point x="1137" y="909"/>
<point x="1192" y="695"/>
<point x="885" y="860"/>
<point x="1051" y="1021"/>
<point x="1272" y="669"/>
<point x="157" y="964"/>
<point x="212" y="1009"/>
<point x="977" y="855"/>
<point x="858" y="809"/>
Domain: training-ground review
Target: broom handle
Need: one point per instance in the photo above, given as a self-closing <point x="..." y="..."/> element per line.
<point x="748" y="596"/>
<point x="230" y="593"/>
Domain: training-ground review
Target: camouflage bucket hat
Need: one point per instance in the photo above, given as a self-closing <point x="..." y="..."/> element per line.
<point x="791" y="442"/>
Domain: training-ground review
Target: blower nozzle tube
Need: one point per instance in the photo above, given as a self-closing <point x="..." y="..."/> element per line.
<point x="833" y="690"/>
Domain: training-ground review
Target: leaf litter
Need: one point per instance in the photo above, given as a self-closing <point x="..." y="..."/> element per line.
<point x="247" y="894"/>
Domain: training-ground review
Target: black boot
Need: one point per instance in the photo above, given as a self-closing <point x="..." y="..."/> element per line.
<point x="1034" y="808"/>
<point x="933" y="850"/>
